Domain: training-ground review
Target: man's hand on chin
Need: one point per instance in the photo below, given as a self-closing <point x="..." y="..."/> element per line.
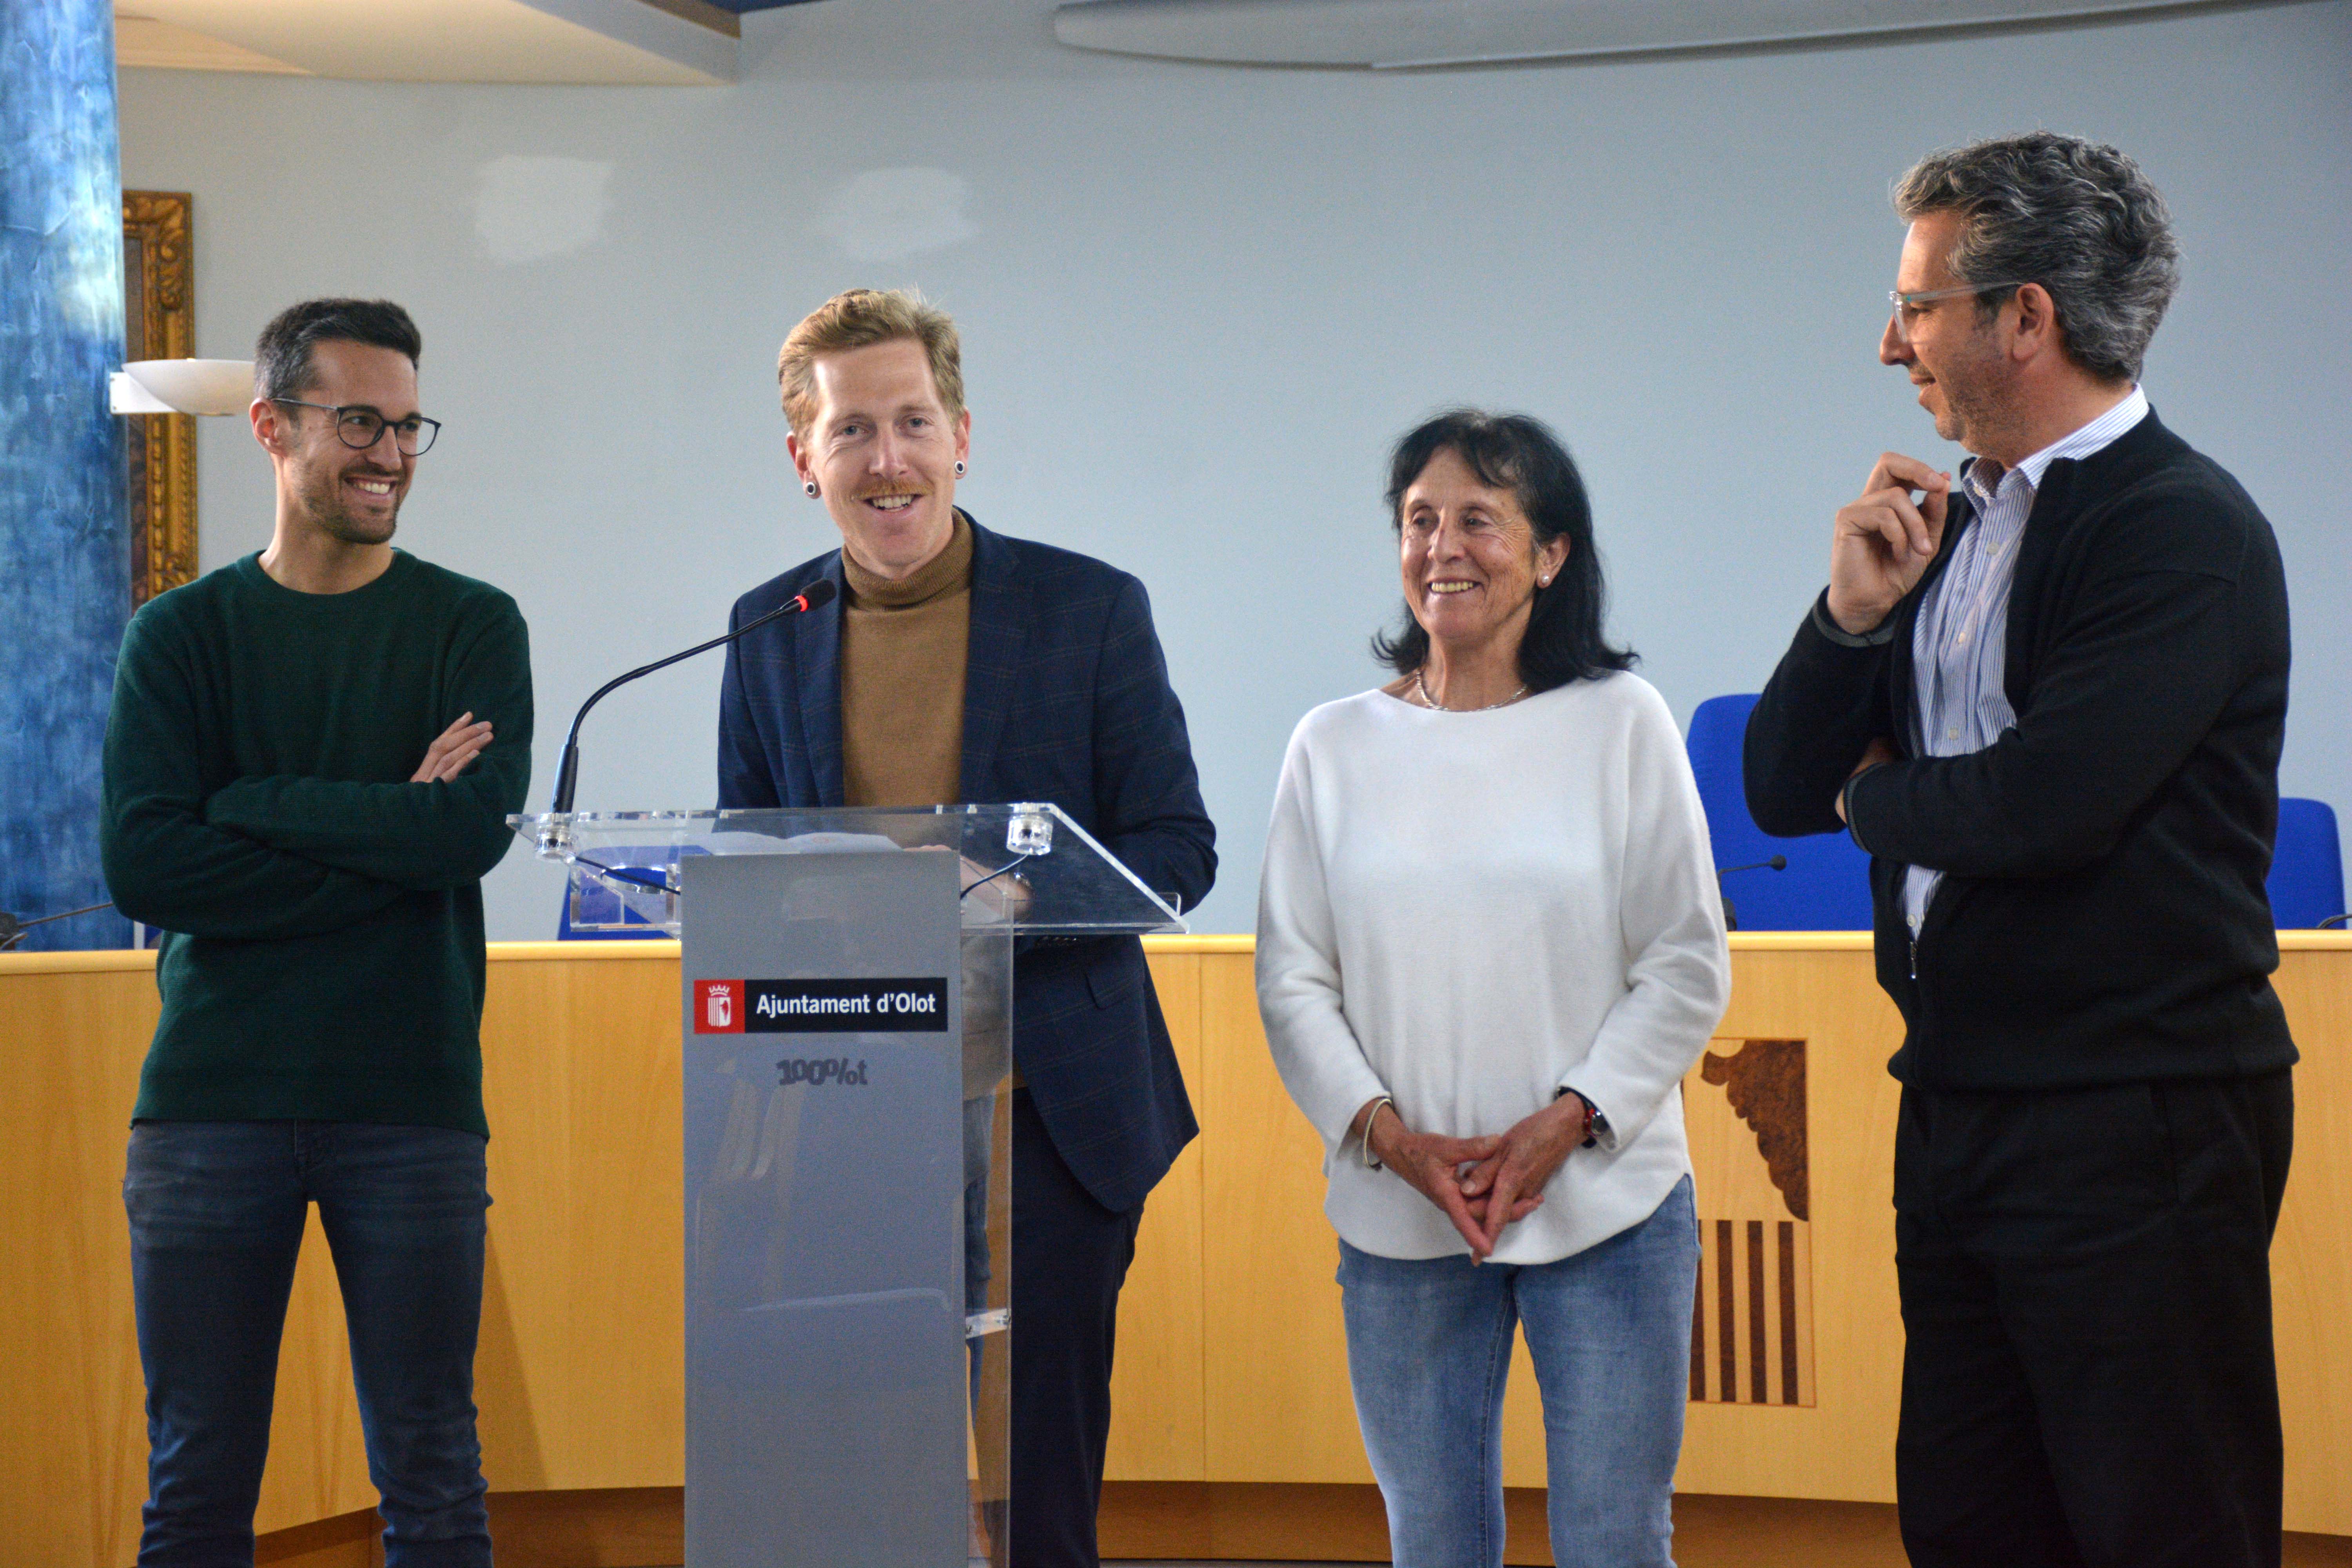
<point x="1884" y="539"/>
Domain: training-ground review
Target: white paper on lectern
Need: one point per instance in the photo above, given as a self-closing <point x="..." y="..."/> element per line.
<point x="798" y="843"/>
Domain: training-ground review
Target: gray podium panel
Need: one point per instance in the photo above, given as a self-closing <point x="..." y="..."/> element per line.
<point x="824" y="1158"/>
<point x="847" y="1149"/>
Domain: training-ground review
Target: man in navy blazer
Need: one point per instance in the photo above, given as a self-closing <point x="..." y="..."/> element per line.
<point x="960" y="665"/>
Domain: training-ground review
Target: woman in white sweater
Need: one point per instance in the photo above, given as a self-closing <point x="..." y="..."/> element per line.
<point x="1489" y="946"/>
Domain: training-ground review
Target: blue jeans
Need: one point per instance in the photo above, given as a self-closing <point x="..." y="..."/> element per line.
<point x="216" y="1215"/>
<point x="1429" y="1350"/>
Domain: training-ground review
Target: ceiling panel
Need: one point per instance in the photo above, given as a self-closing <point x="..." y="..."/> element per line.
<point x="678" y="43"/>
<point x="144" y="42"/>
<point x="1406" y="34"/>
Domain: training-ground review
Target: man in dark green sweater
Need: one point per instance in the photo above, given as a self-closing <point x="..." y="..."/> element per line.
<point x="310" y="757"/>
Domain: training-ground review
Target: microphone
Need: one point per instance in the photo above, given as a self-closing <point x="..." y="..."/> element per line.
<point x="816" y="596"/>
<point x="1731" y="915"/>
<point x="12" y="927"/>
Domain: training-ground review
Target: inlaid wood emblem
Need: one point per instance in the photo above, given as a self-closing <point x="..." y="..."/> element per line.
<point x="1752" y="1325"/>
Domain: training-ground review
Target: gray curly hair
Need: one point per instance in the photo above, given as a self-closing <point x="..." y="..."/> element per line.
<point x="2075" y="217"/>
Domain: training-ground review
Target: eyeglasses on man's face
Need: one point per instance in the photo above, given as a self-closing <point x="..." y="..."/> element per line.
<point x="361" y="428"/>
<point x="1905" y="304"/>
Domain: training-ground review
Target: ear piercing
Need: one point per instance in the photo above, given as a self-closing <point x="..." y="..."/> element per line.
<point x="810" y="486"/>
<point x="959" y="470"/>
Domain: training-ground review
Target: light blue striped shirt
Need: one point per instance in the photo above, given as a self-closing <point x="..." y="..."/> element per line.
<point x="1959" y="647"/>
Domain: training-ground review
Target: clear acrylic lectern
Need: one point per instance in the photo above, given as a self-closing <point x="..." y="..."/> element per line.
<point x="848" y="1053"/>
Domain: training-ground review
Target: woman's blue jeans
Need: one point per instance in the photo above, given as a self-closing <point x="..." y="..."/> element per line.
<point x="1429" y="1350"/>
<point x="216" y="1215"/>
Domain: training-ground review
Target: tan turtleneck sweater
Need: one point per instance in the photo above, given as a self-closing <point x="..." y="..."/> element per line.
<point x="903" y="649"/>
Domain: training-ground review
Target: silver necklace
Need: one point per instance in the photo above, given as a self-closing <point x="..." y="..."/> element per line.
<point x="1428" y="702"/>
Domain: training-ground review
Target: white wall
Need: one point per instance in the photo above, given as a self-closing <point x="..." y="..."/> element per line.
<point x="1197" y="305"/>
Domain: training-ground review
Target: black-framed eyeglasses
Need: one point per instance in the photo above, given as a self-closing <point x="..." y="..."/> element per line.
<point x="360" y="428"/>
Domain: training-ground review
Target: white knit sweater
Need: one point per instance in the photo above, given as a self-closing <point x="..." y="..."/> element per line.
<point x="1469" y="911"/>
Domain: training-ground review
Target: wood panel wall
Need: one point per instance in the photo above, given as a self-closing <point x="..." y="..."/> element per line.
<point x="1232" y="1369"/>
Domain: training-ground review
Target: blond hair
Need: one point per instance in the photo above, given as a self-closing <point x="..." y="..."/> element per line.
<point x="859" y="318"/>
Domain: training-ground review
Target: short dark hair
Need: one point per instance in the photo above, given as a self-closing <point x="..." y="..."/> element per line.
<point x="2077" y="218"/>
<point x="281" y="359"/>
<point x="1514" y="452"/>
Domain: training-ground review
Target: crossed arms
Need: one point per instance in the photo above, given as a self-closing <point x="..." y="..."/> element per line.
<point x="269" y="858"/>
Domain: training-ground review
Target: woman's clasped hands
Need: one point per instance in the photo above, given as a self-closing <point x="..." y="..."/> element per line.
<point x="1480" y="1184"/>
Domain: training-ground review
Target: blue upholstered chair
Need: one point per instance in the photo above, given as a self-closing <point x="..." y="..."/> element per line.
<point x="1826" y="886"/>
<point x="2306" y="880"/>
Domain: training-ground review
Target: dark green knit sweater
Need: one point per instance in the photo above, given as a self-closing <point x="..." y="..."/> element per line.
<point x="324" y="957"/>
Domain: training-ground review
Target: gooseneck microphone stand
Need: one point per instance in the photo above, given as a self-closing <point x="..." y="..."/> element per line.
<point x="12" y="929"/>
<point x="1730" y="915"/>
<point x="553" y="837"/>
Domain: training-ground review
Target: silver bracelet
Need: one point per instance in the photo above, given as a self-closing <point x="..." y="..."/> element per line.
<point x="1370" y="1164"/>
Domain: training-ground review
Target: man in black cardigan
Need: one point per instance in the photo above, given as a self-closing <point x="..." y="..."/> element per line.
<point x="2049" y="699"/>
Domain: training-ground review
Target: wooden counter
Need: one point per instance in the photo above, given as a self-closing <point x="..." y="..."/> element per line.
<point x="1230" y="1363"/>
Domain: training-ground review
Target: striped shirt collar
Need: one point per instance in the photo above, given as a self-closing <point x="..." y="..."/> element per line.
<point x="2098" y="434"/>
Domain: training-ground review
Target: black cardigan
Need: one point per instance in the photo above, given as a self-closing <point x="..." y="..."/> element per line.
<point x="2102" y="917"/>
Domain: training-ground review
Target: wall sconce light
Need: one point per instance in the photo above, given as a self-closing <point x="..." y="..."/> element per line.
<point x="216" y="386"/>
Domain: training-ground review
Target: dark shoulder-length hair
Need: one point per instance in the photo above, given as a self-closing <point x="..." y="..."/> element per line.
<point x="1514" y="452"/>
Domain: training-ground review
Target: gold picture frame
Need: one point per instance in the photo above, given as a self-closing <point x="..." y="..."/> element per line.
<point x="160" y="449"/>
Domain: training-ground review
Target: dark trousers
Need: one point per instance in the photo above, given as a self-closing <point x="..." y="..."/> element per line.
<point x="216" y="1213"/>
<point x="1070" y="1256"/>
<point x="2088" y="1377"/>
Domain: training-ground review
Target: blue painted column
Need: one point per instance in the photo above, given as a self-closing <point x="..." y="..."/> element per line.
<point x="65" y="553"/>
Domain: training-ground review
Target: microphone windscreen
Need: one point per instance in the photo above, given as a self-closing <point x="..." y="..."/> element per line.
<point x="818" y="594"/>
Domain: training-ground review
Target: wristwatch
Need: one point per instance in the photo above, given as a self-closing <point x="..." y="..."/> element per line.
<point x="1595" y="1123"/>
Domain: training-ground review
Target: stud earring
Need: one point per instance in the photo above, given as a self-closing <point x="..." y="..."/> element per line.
<point x="959" y="470"/>
<point x="810" y="486"/>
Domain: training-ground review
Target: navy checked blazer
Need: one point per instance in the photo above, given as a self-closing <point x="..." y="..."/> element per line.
<point x="1066" y="699"/>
